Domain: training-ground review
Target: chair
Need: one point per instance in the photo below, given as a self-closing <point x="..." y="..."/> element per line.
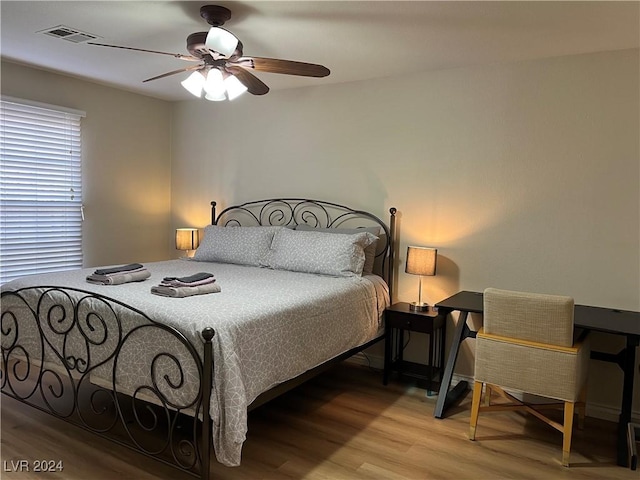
<point x="527" y="345"/>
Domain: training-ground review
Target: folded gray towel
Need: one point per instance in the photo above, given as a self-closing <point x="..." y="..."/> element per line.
<point x="181" y="292"/>
<point x="196" y="277"/>
<point x="178" y="283"/>
<point x="118" y="279"/>
<point x="119" y="269"/>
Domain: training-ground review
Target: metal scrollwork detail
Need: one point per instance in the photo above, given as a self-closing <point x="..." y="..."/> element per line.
<point x="291" y="212"/>
<point x="73" y="354"/>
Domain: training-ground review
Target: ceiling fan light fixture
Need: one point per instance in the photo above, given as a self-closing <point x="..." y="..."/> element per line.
<point x="214" y="86"/>
<point x="222" y="71"/>
<point x="234" y="87"/>
<point x="194" y="83"/>
<point x="214" y="98"/>
<point x="222" y="41"/>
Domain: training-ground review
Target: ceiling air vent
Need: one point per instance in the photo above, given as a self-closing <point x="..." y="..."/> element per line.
<point x="69" y="34"/>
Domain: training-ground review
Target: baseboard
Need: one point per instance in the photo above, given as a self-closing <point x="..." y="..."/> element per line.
<point x="605" y="412"/>
<point x="594" y="410"/>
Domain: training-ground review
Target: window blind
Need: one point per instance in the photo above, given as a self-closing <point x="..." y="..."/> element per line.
<point x="40" y="189"/>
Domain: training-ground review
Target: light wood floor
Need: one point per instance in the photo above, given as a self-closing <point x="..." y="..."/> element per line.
<point x="342" y="425"/>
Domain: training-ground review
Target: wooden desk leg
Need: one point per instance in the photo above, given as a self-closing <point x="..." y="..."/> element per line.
<point x="627" y="398"/>
<point x="446" y="398"/>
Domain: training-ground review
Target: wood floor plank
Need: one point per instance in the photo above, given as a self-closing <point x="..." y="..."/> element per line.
<point x="344" y="425"/>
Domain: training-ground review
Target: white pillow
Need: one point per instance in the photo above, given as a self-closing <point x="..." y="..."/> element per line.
<point x="369" y="251"/>
<point x="316" y="252"/>
<point x="239" y="245"/>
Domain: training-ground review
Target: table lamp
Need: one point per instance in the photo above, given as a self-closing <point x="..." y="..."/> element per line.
<point x="187" y="239"/>
<point x="421" y="261"/>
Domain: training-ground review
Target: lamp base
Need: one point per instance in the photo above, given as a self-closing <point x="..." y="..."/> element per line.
<point x="418" y="307"/>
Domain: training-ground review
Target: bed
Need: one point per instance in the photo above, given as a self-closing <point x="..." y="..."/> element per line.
<point x="174" y="378"/>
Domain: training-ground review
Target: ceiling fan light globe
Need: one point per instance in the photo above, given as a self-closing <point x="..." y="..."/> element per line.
<point x="194" y="84"/>
<point x="234" y="87"/>
<point x="221" y="41"/>
<point x="215" y="98"/>
<point x="214" y="86"/>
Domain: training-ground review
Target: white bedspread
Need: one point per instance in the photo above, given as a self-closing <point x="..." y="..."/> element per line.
<point x="270" y="327"/>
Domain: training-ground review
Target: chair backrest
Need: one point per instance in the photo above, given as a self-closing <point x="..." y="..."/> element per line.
<point x="534" y="317"/>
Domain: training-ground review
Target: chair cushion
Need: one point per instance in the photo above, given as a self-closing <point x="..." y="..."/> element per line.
<point x="541" y="371"/>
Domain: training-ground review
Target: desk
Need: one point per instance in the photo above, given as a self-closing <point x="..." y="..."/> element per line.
<point x="597" y="319"/>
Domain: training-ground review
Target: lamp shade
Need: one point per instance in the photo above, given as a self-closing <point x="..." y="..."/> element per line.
<point x="421" y="261"/>
<point x="187" y="238"/>
<point x="235" y="88"/>
<point x="194" y="83"/>
<point x="221" y="41"/>
<point x="214" y="86"/>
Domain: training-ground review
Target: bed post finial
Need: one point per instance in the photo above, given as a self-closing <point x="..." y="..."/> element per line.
<point x="208" y="334"/>
<point x="213" y="213"/>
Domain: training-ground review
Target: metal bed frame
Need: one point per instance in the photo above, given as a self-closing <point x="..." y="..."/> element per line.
<point x="143" y="417"/>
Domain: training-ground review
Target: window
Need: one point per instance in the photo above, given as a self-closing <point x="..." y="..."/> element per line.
<point x="40" y="189"/>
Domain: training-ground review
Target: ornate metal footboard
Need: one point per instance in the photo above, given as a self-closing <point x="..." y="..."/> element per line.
<point x="106" y="367"/>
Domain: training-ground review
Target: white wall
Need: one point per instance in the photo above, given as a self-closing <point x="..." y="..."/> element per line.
<point x="525" y="175"/>
<point x="126" y="161"/>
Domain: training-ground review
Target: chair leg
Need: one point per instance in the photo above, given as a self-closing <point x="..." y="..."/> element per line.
<point x="487" y="395"/>
<point x="475" y="409"/>
<point x="569" y="408"/>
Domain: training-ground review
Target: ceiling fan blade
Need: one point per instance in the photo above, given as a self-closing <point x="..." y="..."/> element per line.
<point x="188" y="69"/>
<point x="286" y="67"/>
<point x="254" y="85"/>
<point x="176" y="55"/>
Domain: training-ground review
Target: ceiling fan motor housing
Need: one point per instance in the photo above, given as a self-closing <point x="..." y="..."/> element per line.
<point x="195" y="44"/>
<point x="215" y="15"/>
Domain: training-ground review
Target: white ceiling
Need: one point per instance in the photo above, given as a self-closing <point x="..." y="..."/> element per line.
<point x="356" y="40"/>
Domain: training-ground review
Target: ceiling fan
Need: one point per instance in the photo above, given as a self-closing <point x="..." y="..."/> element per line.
<point x="222" y="71"/>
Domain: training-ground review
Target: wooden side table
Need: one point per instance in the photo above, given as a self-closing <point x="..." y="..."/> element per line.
<point x="398" y="319"/>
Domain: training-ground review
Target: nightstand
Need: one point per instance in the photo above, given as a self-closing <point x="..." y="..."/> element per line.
<point x="399" y="318"/>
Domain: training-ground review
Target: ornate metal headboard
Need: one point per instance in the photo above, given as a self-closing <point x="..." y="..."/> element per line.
<point x="291" y="212"/>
